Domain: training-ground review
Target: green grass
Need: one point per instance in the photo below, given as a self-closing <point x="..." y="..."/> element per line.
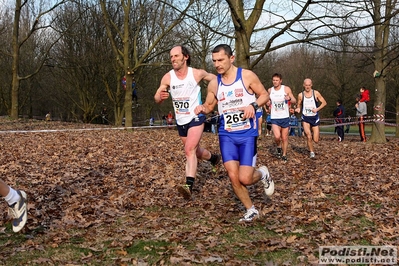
<point x="49" y="256"/>
<point x="245" y="243"/>
<point x="151" y="249"/>
<point x="355" y="130"/>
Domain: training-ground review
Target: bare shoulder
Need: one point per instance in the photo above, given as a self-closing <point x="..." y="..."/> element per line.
<point x="166" y="79"/>
<point x="248" y="72"/>
<point x="165" y="82"/>
<point x="287" y="88"/>
<point x="317" y="93"/>
<point x="249" y="76"/>
<point x="200" y="74"/>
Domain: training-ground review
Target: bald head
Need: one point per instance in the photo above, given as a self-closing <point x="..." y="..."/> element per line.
<point x="307" y="84"/>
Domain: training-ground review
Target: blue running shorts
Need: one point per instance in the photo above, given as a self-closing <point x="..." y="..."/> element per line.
<point x="282" y="122"/>
<point x="312" y="120"/>
<point x="242" y="149"/>
<point x="197" y="121"/>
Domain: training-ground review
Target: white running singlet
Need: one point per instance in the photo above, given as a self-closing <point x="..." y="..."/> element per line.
<point x="308" y="105"/>
<point x="279" y="106"/>
<point x="186" y="95"/>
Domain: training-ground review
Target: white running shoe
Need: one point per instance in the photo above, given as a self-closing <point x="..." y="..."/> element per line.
<point x="312" y="155"/>
<point x="19" y="212"/>
<point x="267" y="181"/>
<point x="250" y="215"/>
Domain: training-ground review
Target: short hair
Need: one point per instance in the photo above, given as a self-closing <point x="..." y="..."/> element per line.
<point x="186" y="53"/>
<point x="363" y="88"/>
<point x="277" y="75"/>
<point x="339" y="101"/>
<point x="225" y="47"/>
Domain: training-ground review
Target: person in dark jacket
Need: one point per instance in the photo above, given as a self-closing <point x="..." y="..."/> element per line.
<point x="339" y="114"/>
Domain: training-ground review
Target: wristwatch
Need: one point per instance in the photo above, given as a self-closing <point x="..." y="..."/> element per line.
<point x="255" y="106"/>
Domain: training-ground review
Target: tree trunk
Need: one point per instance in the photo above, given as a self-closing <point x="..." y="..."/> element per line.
<point x="381" y="51"/>
<point x="244" y="29"/>
<point x="128" y="100"/>
<point x="397" y="117"/>
<point x="15" y="62"/>
<point x="378" y="129"/>
<point x="242" y="50"/>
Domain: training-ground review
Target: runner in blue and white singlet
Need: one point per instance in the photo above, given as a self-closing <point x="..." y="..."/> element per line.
<point x="231" y="98"/>
<point x="233" y="130"/>
<point x="234" y="91"/>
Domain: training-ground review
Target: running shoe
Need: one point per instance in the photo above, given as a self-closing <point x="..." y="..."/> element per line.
<point x="218" y="158"/>
<point x="251" y="215"/>
<point x="284" y="158"/>
<point x="312" y="155"/>
<point x="279" y="152"/>
<point x="18" y="211"/>
<point x="185" y="191"/>
<point x="268" y="183"/>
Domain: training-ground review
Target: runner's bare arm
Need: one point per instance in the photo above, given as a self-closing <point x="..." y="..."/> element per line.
<point x="163" y="90"/>
<point x="321" y="100"/>
<point x="290" y="95"/>
<point x="299" y="103"/>
<point x="211" y="99"/>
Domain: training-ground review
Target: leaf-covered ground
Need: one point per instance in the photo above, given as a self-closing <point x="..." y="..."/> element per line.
<point x="106" y="190"/>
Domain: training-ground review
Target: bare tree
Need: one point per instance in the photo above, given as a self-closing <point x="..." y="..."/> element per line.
<point x="124" y="36"/>
<point x="382" y="13"/>
<point x="5" y="59"/>
<point x="306" y="21"/>
<point x="80" y="62"/>
<point x="39" y="20"/>
<point x="246" y="25"/>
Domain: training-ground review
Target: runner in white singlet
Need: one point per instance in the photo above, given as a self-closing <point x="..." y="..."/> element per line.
<point x="310" y="102"/>
<point x="182" y="84"/>
<point x="281" y="98"/>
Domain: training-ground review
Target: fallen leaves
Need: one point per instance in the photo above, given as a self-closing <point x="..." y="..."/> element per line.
<point x="120" y="186"/>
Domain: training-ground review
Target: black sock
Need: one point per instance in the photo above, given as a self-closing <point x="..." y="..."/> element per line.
<point x="213" y="158"/>
<point x="190" y="182"/>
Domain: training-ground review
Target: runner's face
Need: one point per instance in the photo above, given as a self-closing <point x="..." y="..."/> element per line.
<point x="222" y="62"/>
<point x="177" y="59"/>
<point x="276" y="82"/>
<point x="307" y="85"/>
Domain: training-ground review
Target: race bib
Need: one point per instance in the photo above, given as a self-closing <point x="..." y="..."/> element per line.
<point x="233" y="121"/>
<point x="279" y="106"/>
<point x="307" y="111"/>
<point x="182" y="106"/>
